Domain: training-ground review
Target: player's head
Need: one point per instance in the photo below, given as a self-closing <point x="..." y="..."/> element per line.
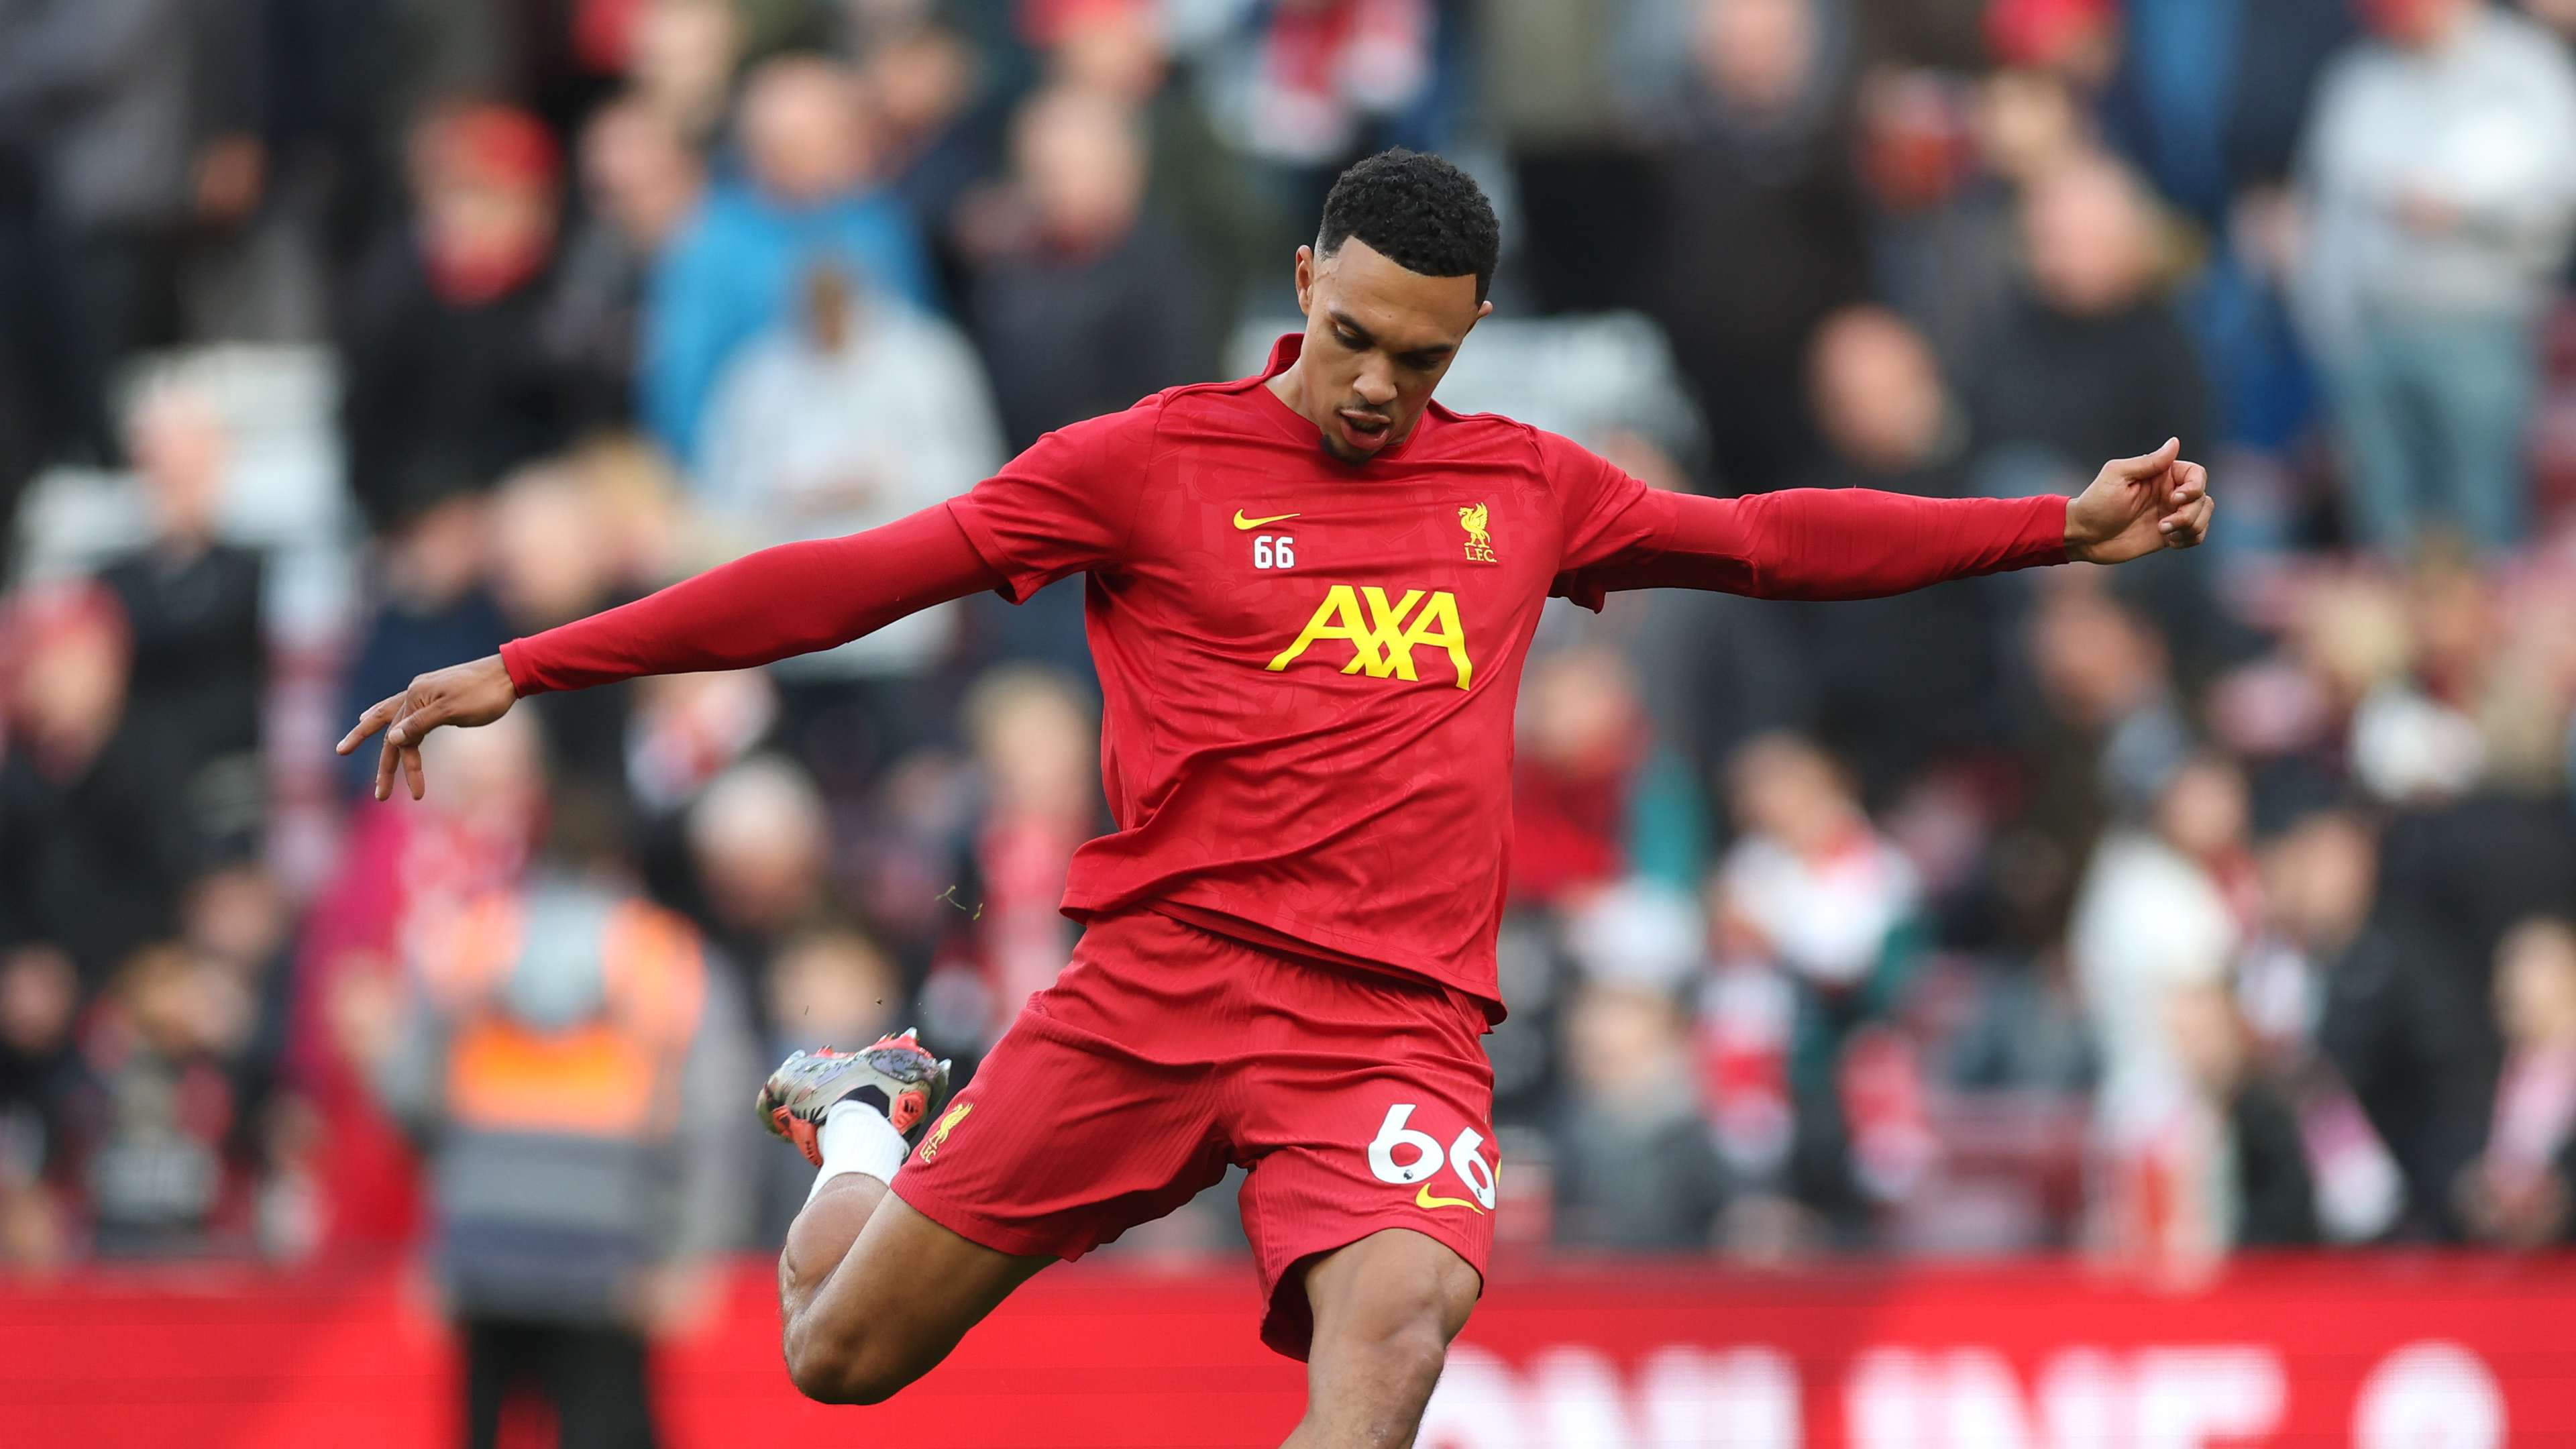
<point x="1396" y="277"/>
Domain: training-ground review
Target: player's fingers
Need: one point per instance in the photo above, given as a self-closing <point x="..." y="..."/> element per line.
<point x="385" y="771"/>
<point x="2187" y="526"/>
<point x="368" y="723"/>
<point x="412" y="772"/>
<point x="422" y="715"/>
<point x="2190" y="481"/>
<point x="2145" y="465"/>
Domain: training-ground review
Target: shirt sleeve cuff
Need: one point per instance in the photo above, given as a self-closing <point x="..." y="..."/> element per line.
<point x="2043" y="538"/>
<point x="523" y="670"/>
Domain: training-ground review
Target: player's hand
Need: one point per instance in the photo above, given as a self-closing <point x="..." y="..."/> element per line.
<point x="2137" y="506"/>
<point x="461" y="694"/>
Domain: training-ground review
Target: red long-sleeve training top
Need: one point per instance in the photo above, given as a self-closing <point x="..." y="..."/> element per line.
<point x="1308" y="668"/>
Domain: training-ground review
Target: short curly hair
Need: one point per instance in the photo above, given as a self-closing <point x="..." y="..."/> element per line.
<point x="1418" y="211"/>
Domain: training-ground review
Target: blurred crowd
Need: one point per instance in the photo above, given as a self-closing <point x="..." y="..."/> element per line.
<point x="2224" y="902"/>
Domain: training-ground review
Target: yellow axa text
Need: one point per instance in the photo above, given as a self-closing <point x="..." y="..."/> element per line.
<point x="1383" y="638"/>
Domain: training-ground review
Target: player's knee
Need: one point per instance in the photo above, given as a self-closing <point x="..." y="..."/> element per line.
<point x="827" y="1381"/>
<point x="865" y="1370"/>
<point x="818" y="1372"/>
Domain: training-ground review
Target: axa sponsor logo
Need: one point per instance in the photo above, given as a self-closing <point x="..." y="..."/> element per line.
<point x="1384" y="632"/>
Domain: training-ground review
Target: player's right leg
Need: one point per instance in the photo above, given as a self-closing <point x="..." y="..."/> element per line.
<point x="1094" y="1112"/>
<point x="872" y="1294"/>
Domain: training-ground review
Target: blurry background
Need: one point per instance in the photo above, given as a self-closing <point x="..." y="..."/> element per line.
<point x="2219" y="903"/>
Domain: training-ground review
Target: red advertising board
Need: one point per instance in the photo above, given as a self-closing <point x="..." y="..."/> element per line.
<point x="2412" y="1352"/>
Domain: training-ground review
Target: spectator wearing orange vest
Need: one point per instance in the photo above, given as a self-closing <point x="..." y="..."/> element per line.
<point x="571" y="1063"/>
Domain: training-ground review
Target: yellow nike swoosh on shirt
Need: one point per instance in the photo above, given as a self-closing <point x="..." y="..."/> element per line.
<point x="1424" y="1199"/>
<point x="1242" y="522"/>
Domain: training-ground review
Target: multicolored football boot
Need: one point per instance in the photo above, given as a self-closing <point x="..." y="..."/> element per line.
<point x="896" y="1074"/>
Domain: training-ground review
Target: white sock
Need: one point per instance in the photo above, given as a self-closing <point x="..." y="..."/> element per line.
<point x="856" y="1137"/>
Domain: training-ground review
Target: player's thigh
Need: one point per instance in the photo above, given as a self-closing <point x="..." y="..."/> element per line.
<point x="1095" y="1112"/>
<point x="913" y="1288"/>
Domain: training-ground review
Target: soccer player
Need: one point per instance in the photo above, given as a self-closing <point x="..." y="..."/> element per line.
<point x="1310" y="596"/>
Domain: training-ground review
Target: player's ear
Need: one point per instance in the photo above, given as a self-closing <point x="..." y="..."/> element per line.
<point x="1483" y="311"/>
<point x="1305" y="279"/>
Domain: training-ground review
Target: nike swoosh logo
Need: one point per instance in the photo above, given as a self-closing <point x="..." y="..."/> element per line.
<point x="1424" y="1199"/>
<point x="1242" y="522"/>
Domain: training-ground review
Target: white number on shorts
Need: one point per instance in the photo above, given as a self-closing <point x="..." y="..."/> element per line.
<point x="1426" y="1156"/>
<point x="1393" y="1134"/>
<point x="1470" y="1168"/>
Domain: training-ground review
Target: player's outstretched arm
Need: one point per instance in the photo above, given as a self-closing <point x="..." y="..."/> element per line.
<point x="765" y="606"/>
<point x="1859" y="543"/>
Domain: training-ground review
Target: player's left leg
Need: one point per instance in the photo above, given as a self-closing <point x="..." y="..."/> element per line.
<point x="1363" y="1105"/>
<point x="1385" y="1309"/>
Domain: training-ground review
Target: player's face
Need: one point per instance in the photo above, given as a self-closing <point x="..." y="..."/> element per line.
<point x="1378" y="340"/>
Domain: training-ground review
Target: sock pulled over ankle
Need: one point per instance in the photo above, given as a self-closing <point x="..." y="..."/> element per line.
<point x="856" y="1137"/>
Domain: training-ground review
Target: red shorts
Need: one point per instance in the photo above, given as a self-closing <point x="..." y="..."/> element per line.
<point x="1358" y="1101"/>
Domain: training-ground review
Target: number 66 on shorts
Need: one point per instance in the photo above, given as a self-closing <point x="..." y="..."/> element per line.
<point x="1424" y="1156"/>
